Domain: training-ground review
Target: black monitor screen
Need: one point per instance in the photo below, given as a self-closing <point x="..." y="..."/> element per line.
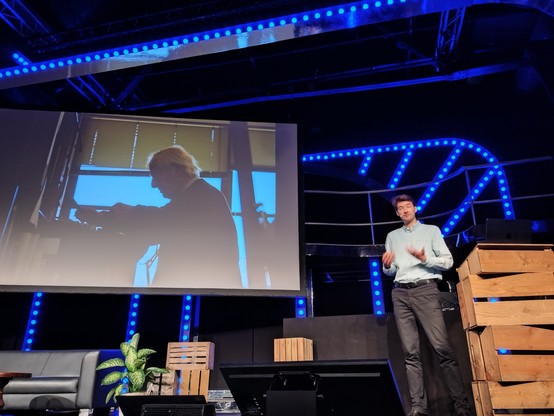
<point x="339" y="387"/>
<point x="133" y="405"/>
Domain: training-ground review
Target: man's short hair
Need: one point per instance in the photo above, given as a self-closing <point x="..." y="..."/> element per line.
<point x="402" y="198"/>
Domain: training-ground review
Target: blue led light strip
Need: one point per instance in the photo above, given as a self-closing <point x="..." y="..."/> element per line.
<point x="400" y="169"/>
<point x="443" y="171"/>
<point x="483" y="181"/>
<point x="377" y="297"/>
<point x="20" y="59"/>
<point x="364" y="166"/>
<point x="301" y="306"/>
<point x="307" y="23"/>
<point x="186" y="319"/>
<point x="458" y="145"/>
<point x="32" y="322"/>
<point x="133" y="316"/>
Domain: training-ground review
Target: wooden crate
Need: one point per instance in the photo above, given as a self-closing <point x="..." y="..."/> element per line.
<point x="492" y="398"/>
<point x="506" y="296"/>
<point x="513" y="353"/>
<point x="293" y="349"/>
<point x="506" y="299"/>
<point x="521" y="276"/>
<point x="191" y="364"/>
<point x="510" y="258"/>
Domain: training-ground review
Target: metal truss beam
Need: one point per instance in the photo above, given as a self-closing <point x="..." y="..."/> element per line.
<point x="28" y="25"/>
<point x="91" y="90"/>
<point x="21" y="19"/>
<point x="450" y="27"/>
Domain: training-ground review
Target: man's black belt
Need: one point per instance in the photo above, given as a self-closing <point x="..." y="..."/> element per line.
<point x="411" y="285"/>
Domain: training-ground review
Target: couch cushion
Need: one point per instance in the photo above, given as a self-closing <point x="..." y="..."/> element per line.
<point x="42" y="385"/>
<point x="23" y="362"/>
<point x="64" y="363"/>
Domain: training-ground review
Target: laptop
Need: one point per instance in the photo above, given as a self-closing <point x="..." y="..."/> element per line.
<point x="131" y="405"/>
<point x="499" y="230"/>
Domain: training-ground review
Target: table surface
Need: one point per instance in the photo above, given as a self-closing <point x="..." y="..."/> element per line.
<point x="11" y="374"/>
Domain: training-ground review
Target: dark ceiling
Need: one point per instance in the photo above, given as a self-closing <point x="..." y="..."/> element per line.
<point x="398" y="50"/>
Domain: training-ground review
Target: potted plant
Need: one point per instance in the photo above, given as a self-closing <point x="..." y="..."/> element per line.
<point x="135" y="375"/>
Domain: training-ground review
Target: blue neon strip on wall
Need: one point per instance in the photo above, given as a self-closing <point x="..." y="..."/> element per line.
<point x="186" y="319"/>
<point x="133" y="316"/>
<point x="301" y="307"/>
<point x="32" y="322"/>
<point x="376" y="281"/>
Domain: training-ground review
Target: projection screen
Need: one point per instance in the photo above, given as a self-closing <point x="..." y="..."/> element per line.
<point x="62" y="162"/>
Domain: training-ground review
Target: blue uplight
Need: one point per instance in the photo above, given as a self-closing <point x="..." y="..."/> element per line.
<point x="32" y="322"/>
<point x="301" y="307"/>
<point x="133" y="314"/>
<point x="376" y="282"/>
<point x="186" y="323"/>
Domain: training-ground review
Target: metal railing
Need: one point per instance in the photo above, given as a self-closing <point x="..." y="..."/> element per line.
<point x="377" y="222"/>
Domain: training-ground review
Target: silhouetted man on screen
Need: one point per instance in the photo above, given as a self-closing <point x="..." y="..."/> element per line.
<point x="195" y="230"/>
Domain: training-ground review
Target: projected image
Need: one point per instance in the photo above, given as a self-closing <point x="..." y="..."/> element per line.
<point x="159" y="203"/>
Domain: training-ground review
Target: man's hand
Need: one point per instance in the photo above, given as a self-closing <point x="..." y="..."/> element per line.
<point x="115" y="213"/>
<point x="420" y="254"/>
<point x="387" y="259"/>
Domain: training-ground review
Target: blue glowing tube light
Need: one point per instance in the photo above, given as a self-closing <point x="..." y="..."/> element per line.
<point x="32" y="322"/>
<point x="376" y="282"/>
<point x="133" y="316"/>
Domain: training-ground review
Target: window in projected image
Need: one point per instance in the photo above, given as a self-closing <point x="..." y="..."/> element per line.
<point x="103" y="191"/>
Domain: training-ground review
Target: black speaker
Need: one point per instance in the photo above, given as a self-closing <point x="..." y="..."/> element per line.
<point x="292" y="393"/>
<point x="178" y="410"/>
<point x="291" y="403"/>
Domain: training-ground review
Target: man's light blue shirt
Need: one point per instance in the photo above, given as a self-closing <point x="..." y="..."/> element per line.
<point x="408" y="268"/>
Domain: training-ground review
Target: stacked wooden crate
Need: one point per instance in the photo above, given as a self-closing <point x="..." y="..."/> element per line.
<point x="506" y="295"/>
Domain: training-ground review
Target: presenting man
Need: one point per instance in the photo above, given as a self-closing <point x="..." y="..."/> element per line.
<point x="416" y="255"/>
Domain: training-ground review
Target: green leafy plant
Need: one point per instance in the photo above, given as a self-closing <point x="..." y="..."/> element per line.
<point x="135" y="375"/>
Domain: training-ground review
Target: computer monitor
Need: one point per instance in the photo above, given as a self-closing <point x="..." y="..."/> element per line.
<point x="131" y="405"/>
<point x="347" y="387"/>
<point x="499" y="230"/>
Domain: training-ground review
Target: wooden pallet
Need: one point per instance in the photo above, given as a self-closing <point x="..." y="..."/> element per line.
<point x="190" y="364"/>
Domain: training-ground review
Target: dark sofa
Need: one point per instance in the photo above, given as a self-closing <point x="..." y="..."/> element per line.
<point x="61" y="380"/>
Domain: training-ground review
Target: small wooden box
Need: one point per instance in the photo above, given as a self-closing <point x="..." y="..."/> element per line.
<point x="293" y="349"/>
